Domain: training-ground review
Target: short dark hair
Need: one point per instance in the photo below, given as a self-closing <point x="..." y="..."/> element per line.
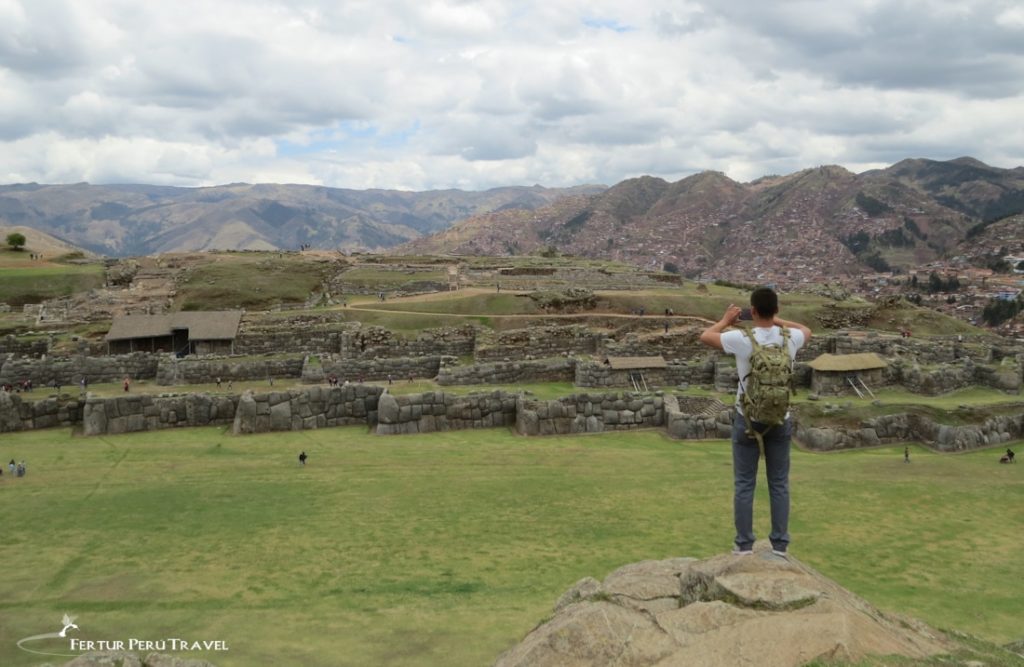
<point x="765" y="301"/>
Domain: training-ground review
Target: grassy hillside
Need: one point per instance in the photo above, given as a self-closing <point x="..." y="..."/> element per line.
<point x="250" y="280"/>
<point x="24" y="280"/>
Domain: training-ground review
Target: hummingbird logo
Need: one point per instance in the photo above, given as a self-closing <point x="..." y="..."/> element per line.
<point x="68" y="623"/>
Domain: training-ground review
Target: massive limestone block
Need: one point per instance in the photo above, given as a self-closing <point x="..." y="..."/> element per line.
<point x="10" y="412"/>
<point x="94" y="417"/>
<point x="281" y="416"/>
<point x="387" y="409"/>
<point x="246" y="414"/>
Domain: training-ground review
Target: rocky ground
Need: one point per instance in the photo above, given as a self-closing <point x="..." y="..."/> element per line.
<point x="727" y="610"/>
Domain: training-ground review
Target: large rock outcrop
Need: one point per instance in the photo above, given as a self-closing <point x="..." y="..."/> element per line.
<point x="129" y="659"/>
<point x="727" y="610"/>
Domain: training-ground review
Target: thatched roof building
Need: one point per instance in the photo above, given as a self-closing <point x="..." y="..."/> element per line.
<point x="848" y="363"/>
<point x="636" y="363"/>
<point x="847" y="373"/>
<point x="182" y="333"/>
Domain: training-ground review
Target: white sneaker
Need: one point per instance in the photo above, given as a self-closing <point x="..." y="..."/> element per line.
<point x="780" y="554"/>
<point x="742" y="552"/>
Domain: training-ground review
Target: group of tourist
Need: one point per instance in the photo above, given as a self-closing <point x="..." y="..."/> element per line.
<point x="16" y="470"/>
<point x="24" y="385"/>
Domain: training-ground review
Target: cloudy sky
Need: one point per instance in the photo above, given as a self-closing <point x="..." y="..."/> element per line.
<point x="424" y="94"/>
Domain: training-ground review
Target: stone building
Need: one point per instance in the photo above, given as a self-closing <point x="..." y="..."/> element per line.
<point x="212" y="332"/>
<point x="836" y="374"/>
<point x="640" y="373"/>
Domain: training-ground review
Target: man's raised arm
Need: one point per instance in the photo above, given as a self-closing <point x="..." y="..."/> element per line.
<point x="712" y="336"/>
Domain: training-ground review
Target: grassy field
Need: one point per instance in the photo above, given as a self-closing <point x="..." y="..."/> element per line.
<point x="253" y="281"/>
<point x="445" y="549"/>
<point x="24" y="281"/>
<point x="384" y="277"/>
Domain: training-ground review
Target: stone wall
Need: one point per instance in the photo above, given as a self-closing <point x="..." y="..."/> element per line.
<point x="837" y="383"/>
<point x="355" y="370"/>
<point x="674" y="345"/>
<point x="904" y="427"/>
<point x="1005" y="375"/>
<point x="199" y="370"/>
<point x="301" y="332"/>
<point x="536" y="343"/>
<point x="371" y="342"/>
<point x="700" y="371"/>
<point x="696" y="372"/>
<point x="509" y="372"/>
<point x="590" y="413"/>
<point x="277" y="341"/>
<point x="310" y="408"/>
<point x="70" y="371"/>
<point x="440" y="411"/>
<point x="21" y="415"/>
<point x="134" y="413"/>
<point x="695" y="418"/>
<point x="36" y="347"/>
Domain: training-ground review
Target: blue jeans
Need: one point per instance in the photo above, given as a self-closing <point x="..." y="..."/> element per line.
<point x="745" y="454"/>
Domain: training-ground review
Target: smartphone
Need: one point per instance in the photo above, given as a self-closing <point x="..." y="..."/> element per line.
<point x="746" y="315"/>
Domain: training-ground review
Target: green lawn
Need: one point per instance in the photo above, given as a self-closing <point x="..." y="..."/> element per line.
<point x="506" y="303"/>
<point x="257" y="281"/>
<point x="444" y="549"/>
<point x="35" y="284"/>
<point x="383" y="276"/>
<point x="412" y="323"/>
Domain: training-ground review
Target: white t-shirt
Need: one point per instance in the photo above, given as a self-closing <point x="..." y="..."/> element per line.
<point x="736" y="343"/>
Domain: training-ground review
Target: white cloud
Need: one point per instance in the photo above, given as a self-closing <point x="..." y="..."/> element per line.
<point x="478" y="93"/>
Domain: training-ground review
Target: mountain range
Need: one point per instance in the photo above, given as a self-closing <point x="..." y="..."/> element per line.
<point x="123" y="220"/>
<point x="816" y="223"/>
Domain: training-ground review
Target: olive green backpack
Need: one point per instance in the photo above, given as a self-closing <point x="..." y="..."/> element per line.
<point x="766" y="389"/>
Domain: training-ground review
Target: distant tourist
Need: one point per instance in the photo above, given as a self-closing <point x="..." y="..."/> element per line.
<point x="906" y="454"/>
<point x="302" y="458"/>
<point x="10" y="466"/>
<point x="499" y="288"/>
<point x="127" y="382"/>
<point x="218" y="383"/>
<point x="389" y="378"/>
<point x="1010" y="456"/>
<point x="666" y="326"/>
<point x="22" y="468"/>
<point x="770" y="332"/>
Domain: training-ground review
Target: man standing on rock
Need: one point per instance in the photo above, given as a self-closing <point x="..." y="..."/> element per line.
<point x="769" y="330"/>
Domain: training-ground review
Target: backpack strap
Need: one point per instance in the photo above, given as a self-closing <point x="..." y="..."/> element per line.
<point x="750" y="431"/>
